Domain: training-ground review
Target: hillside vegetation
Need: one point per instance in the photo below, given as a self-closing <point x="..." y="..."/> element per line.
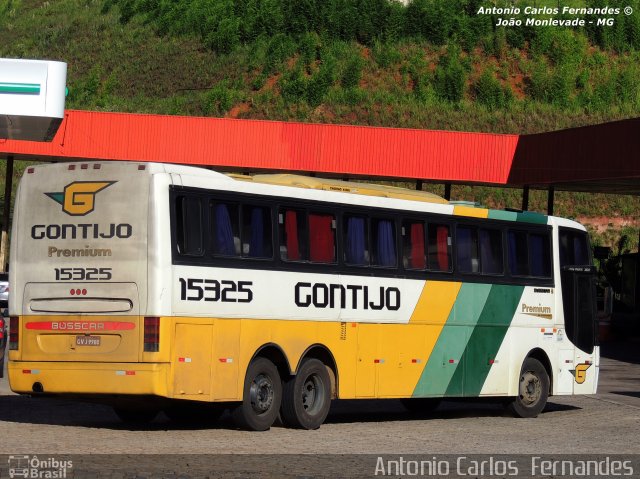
<point x="432" y="64"/>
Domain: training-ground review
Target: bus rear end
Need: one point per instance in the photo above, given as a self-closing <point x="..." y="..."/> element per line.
<point x="78" y="274"/>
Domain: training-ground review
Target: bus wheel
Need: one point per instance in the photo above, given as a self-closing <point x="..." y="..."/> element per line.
<point x="135" y="416"/>
<point x="307" y="396"/>
<point x="421" y="405"/>
<point x="261" y="397"/>
<point x="533" y="390"/>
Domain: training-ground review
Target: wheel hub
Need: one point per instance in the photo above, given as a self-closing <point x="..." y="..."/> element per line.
<point x="313" y="395"/>
<point x="530" y="388"/>
<point x="309" y="394"/>
<point x="261" y="393"/>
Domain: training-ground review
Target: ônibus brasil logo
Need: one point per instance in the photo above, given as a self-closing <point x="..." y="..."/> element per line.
<point x="78" y="198"/>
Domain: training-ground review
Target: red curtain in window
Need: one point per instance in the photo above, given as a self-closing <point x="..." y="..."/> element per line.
<point x="417" y="258"/>
<point x="443" y="248"/>
<point x="321" y="241"/>
<point x="291" y="233"/>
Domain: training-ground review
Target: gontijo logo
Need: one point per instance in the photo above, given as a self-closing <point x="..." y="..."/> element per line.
<point x="78" y="198"/>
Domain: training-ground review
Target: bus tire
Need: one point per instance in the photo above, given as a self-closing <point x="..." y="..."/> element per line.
<point x="135" y="416"/>
<point x="533" y="390"/>
<point x="421" y="405"/>
<point x="261" y="397"/>
<point x="306" y="396"/>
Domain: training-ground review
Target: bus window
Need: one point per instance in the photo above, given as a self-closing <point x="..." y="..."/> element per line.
<point x="189" y="225"/>
<point x="292" y="240"/>
<point x="574" y="248"/>
<point x="322" y="238"/>
<point x="491" y="255"/>
<point x="518" y="253"/>
<point x="383" y="235"/>
<point x="467" y="247"/>
<point x="540" y="255"/>
<point x="413" y="252"/>
<point x="356" y="241"/>
<point x="439" y="247"/>
<point x="225" y="229"/>
<point x="256" y="231"/>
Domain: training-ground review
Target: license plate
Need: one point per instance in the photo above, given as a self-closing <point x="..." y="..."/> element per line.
<point x="87" y="340"/>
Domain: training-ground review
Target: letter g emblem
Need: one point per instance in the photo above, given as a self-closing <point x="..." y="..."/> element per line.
<point x="78" y="198"/>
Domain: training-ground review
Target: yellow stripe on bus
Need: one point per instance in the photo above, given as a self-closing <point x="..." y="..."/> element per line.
<point x="418" y="338"/>
<point x="435" y="302"/>
<point x="470" y="211"/>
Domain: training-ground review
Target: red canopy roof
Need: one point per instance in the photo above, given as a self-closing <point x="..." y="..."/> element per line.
<point x="562" y="158"/>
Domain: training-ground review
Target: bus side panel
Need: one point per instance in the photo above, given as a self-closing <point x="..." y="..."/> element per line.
<point x="439" y="375"/>
<point x="532" y="327"/>
<point x="159" y="283"/>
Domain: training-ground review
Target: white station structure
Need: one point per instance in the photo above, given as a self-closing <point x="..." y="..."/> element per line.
<point x="32" y="98"/>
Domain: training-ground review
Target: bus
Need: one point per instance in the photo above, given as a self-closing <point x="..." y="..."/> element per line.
<point x="158" y="287"/>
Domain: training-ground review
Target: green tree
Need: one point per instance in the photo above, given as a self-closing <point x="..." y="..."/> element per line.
<point x="450" y="76"/>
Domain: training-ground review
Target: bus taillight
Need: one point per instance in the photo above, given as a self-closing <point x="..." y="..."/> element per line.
<point x="14" y="332"/>
<point x="151" y="334"/>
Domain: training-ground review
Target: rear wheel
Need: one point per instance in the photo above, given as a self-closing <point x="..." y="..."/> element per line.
<point x="307" y="396"/>
<point x="421" y="405"/>
<point x="261" y="396"/>
<point x="533" y="390"/>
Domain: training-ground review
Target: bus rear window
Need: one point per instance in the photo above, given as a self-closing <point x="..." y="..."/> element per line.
<point x="189" y="225"/>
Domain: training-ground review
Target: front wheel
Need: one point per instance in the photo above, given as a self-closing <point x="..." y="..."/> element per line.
<point x="533" y="390"/>
<point x="307" y="396"/>
<point x="261" y="397"/>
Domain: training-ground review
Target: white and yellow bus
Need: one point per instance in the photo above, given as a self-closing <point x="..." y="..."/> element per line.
<point x="153" y="286"/>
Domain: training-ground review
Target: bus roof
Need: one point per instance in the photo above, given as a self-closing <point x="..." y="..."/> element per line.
<point x="369" y="189"/>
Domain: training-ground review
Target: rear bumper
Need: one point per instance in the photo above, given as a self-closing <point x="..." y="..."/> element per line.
<point x="89" y="378"/>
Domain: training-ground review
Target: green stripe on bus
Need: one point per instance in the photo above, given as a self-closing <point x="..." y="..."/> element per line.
<point x="532" y="217"/>
<point x="503" y="215"/>
<point x="523" y="216"/>
<point x="20" y="88"/>
<point x="451" y="343"/>
<point x="485" y="341"/>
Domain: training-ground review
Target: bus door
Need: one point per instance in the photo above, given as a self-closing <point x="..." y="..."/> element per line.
<point x="579" y="307"/>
